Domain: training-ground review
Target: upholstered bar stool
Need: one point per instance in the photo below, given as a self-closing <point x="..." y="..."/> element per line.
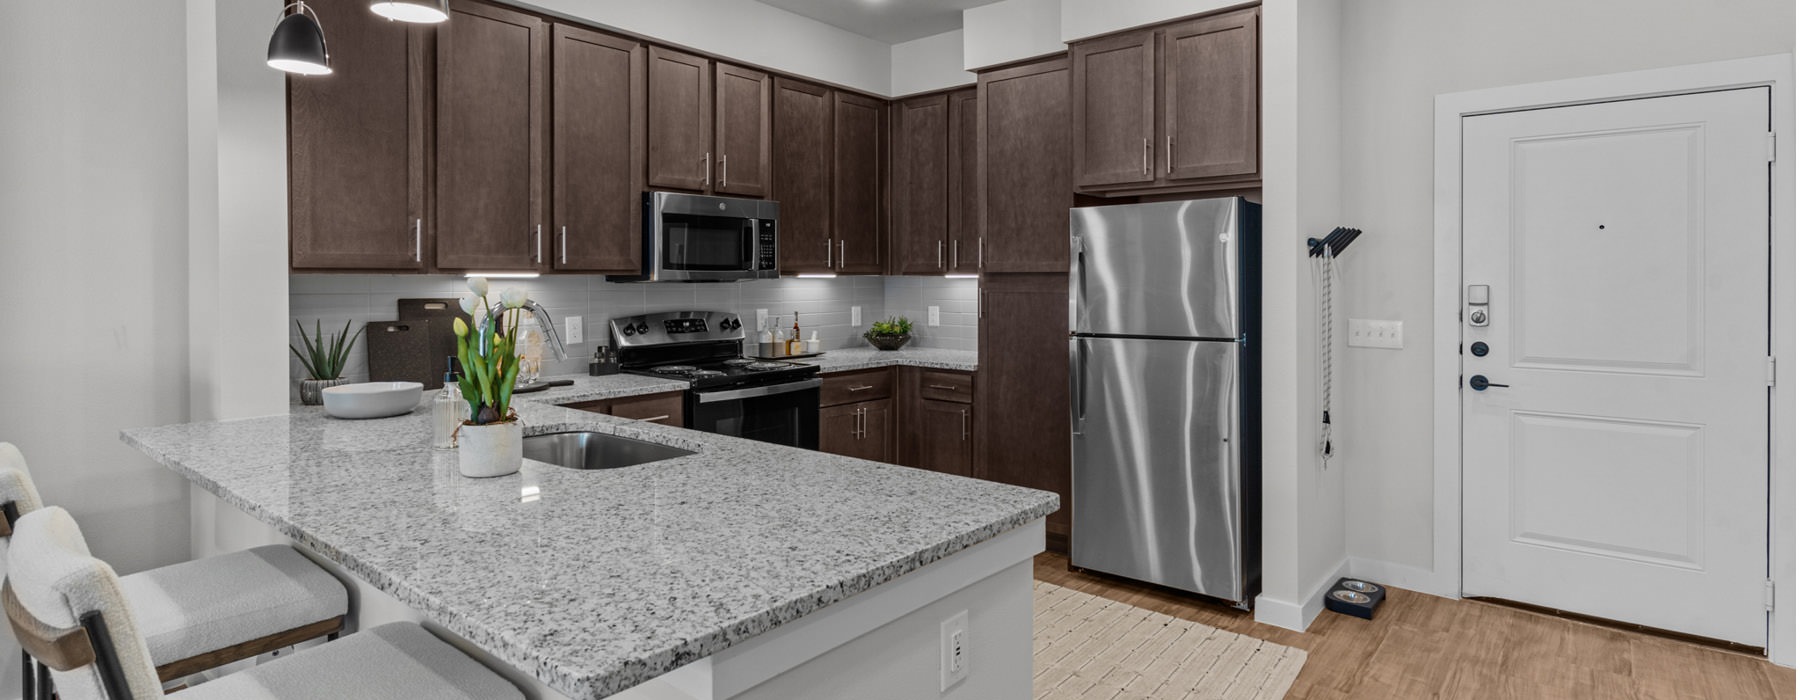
<point x="71" y="611"/>
<point x="209" y="612"/>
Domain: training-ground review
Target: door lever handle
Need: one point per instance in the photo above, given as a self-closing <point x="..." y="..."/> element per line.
<point x="1481" y="383"/>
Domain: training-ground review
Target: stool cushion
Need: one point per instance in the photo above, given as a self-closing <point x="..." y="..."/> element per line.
<point x="394" y="661"/>
<point x="195" y="607"/>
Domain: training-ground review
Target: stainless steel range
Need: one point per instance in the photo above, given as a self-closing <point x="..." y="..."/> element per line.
<point x="727" y="393"/>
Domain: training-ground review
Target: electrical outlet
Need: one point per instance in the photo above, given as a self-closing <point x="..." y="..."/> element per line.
<point x="1365" y="333"/>
<point x="855" y="316"/>
<point x="572" y="330"/>
<point x="932" y="316"/>
<point x="954" y="645"/>
<point x="762" y="319"/>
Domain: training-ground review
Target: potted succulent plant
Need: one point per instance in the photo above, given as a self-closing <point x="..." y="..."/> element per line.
<point x="891" y="334"/>
<point x="491" y="441"/>
<point x="324" y="360"/>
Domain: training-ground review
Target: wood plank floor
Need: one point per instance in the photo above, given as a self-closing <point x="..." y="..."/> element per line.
<point x="1423" y="646"/>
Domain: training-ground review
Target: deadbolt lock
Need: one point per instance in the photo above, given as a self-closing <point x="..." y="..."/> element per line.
<point x="1478" y="302"/>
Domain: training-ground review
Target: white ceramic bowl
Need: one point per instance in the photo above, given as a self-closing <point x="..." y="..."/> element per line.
<point x="373" y="399"/>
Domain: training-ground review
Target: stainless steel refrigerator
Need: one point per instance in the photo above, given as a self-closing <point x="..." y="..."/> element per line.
<point x="1164" y="386"/>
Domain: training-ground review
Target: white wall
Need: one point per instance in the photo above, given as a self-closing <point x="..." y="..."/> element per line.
<point x="746" y="31"/>
<point x="1011" y="30"/>
<point x="929" y="63"/>
<point x="1396" y="56"/>
<point x="93" y="258"/>
<point x="1085" y="18"/>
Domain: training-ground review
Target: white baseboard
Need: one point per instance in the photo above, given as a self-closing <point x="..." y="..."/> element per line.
<point x="1297" y="616"/>
<point x="1411" y="578"/>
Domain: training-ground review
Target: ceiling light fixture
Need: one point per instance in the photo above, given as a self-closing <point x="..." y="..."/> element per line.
<point x="503" y="275"/>
<point x="416" y="11"/>
<point x="298" y="44"/>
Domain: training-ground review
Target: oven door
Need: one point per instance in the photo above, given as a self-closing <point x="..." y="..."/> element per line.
<point x="700" y="238"/>
<point x="784" y="414"/>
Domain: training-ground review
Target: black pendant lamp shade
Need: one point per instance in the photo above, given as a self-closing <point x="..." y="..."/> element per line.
<point x="418" y="11"/>
<point x="298" y="45"/>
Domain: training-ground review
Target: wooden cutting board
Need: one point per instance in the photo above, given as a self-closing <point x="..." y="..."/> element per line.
<point x="401" y="351"/>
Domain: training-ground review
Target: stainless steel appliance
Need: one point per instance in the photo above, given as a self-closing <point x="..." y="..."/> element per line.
<point x="727" y="393"/>
<point x="1164" y="378"/>
<point x="697" y="238"/>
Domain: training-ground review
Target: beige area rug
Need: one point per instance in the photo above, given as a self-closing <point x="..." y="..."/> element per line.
<point x="1092" y="648"/>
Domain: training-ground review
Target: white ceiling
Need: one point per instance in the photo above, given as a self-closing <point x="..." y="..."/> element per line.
<point x="889" y="21"/>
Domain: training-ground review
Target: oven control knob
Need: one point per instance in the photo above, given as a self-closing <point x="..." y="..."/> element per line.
<point x="642" y="329"/>
<point x="628" y="329"/>
<point x="736" y="324"/>
<point x="724" y="324"/>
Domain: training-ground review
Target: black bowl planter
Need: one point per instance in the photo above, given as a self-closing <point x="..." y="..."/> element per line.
<point x="888" y="342"/>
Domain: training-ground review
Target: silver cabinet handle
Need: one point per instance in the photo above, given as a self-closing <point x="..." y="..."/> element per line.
<point x="945" y="387"/>
<point x="565" y="245"/>
<point x="965" y="424"/>
<point x="858" y="430"/>
<point x="724" y="170"/>
<point x="418" y="240"/>
<point x="706" y="179"/>
<point x="955" y="263"/>
<point x="827" y="253"/>
<point x="843" y="258"/>
<point x="653" y="419"/>
<point x="1146" y="156"/>
<point x="861" y="388"/>
<point x="538" y="236"/>
<point x="940" y="255"/>
<point x="1169" y="155"/>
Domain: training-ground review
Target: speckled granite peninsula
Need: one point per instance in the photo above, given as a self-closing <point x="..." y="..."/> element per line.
<point x="592" y="581"/>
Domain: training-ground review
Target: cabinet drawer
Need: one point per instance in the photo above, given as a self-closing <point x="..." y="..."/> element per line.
<point x="656" y="408"/>
<point x="849" y="387"/>
<point x="936" y="385"/>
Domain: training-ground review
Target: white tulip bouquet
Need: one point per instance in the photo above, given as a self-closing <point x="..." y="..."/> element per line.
<point x="486" y="346"/>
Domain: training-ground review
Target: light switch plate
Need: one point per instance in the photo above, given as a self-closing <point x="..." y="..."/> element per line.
<point x="1365" y="333"/>
<point x="855" y="316"/>
<point x="762" y="319"/>
<point x="572" y="330"/>
<point x="932" y="316"/>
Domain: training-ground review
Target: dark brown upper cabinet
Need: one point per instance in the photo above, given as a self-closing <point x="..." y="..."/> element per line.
<point x="858" y="205"/>
<point x="1024" y="172"/>
<point x="681" y="113"/>
<point x="802" y="174"/>
<point x="919" y="238"/>
<point x="597" y="126"/>
<point x="358" y="182"/>
<point x="492" y="123"/>
<point x="709" y="125"/>
<point x="741" y="140"/>
<point x="1170" y="108"/>
<point x="964" y="226"/>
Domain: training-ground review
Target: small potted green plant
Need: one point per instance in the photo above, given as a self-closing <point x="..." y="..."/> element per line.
<point x="324" y="360"/>
<point x="491" y="441"/>
<point x="890" y="334"/>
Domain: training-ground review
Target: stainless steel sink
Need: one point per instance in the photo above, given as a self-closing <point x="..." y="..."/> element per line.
<point x="587" y="450"/>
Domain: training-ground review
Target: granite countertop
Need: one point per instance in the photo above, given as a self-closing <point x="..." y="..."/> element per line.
<point x="847" y="359"/>
<point x="615" y="386"/>
<point x="612" y="386"/>
<point x="592" y="581"/>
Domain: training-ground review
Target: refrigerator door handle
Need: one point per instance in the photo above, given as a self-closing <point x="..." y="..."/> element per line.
<point x="1077" y="284"/>
<point x="1077" y="385"/>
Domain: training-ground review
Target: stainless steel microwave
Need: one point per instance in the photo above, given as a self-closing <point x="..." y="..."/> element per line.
<point x="697" y="238"/>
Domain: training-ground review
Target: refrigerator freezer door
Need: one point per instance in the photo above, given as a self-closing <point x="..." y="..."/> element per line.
<point x="1162" y="269"/>
<point x="1156" y="480"/>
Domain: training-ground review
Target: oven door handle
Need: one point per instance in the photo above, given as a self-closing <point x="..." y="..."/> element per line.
<point x="757" y="391"/>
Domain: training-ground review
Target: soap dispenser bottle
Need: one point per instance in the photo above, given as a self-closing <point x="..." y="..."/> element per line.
<point x="448" y="410"/>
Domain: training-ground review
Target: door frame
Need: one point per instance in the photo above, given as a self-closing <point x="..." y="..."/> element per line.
<point x="1776" y="72"/>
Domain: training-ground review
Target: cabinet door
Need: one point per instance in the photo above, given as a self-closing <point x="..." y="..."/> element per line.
<point x="802" y="174"/>
<point x="945" y="435"/>
<point x="1210" y="98"/>
<point x="741" y="138"/>
<point x="863" y="430"/>
<point x="878" y="431"/>
<point x="918" y="241"/>
<point x="964" y="226"/>
<point x="1114" y="103"/>
<point x="667" y="409"/>
<point x="1024" y="171"/>
<point x="598" y="132"/>
<point x="1022" y="394"/>
<point x="356" y="149"/>
<point x="681" y="112"/>
<point x="491" y="128"/>
<point x="858" y="211"/>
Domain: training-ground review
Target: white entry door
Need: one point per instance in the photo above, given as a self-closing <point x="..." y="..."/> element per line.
<point x="1616" y="464"/>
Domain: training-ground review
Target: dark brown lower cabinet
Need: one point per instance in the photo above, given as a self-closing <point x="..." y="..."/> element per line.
<point x="1022" y="402"/>
<point x="945" y="432"/>
<point x="666" y="408"/>
<point x="864" y="430"/>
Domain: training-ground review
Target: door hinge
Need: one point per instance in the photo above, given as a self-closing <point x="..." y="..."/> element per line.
<point x="1769" y="594"/>
<point x="1771" y="147"/>
<point x="1769" y="374"/>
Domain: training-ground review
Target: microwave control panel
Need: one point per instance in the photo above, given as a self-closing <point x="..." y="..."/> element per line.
<point x="765" y="245"/>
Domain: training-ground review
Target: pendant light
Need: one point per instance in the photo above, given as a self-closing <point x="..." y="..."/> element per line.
<point x="298" y="45"/>
<point x="417" y="11"/>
